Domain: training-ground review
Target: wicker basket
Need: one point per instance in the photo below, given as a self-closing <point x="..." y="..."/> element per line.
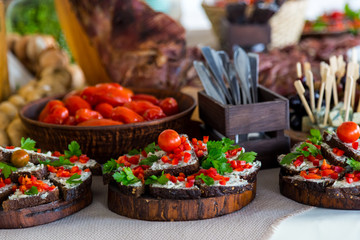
<point x="286" y="25"/>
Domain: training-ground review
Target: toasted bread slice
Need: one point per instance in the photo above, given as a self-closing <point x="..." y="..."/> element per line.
<point x="343" y="189"/>
<point x="5" y="191"/>
<point x="39" y="171"/>
<point x="333" y="141"/>
<point x="318" y="185"/>
<point x="334" y="159"/>
<point x="176" y="190"/>
<point x="291" y="169"/>
<point x="135" y="189"/>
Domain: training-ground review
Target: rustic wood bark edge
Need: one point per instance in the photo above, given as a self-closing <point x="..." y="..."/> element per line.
<point x="316" y="198"/>
<point x="42" y="214"/>
<point x="151" y="209"/>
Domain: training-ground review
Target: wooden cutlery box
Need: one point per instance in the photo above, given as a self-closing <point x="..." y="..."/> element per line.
<point x="269" y="116"/>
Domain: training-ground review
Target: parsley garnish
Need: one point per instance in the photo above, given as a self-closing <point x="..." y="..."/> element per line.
<point x="125" y="177"/>
<point x="151" y="148"/>
<point x="249" y="157"/>
<point x="207" y="180"/>
<point x="110" y="166"/>
<point x="74" y="150"/>
<point x="74" y="179"/>
<point x="149" y="160"/>
<point x="315" y="137"/>
<point x="28" y="144"/>
<point x="312" y="150"/>
<point x="216" y="155"/>
<point x="61" y="162"/>
<point x="7" y="169"/>
<point x="154" y="179"/>
<point x="354" y="164"/>
<point x="32" y="191"/>
<point x="134" y="152"/>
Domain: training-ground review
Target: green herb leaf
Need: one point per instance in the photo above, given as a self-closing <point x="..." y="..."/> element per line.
<point x="315" y="137"/>
<point x="311" y="149"/>
<point x="151" y="148"/>
<point x="32" y="191"/>
<point x="125" y="177"/>
<point x="110" y="166"/>
<point x="290" y="157"/>
<point x="134" y="152"/>
<point x="6" y="169"/>
<point x="351" y="13"/>
<point x="74" y="150"/>
<point x="207" y="180"/>
<point x="74" y="179"/>
<point x="150" y="180"/>
<point x="28" y="144"/>
<point x="249" y="157"/>
<point x="162" y="179"/>
<point x="149" y="160"/>
<point x="154" y="179"/>
<point x="354" y="164"/>
<point x="61" y="162"/>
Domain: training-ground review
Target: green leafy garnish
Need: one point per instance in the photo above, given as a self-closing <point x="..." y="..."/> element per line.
<point x="134" y="152"/>
<point x="6" y="169"/>
<point x="154" y="179"/>
<point x="312" y="150"/>
<point x="28" y="144"/>
<point x="207" y="180"/>
<point x="32" y="191"/>
<point x="110" y="166"/>
<point x="351" y="13"/>
<point x="315" y="137"/>
<point x="74" y="150"/>
<point x="151" y="148"/>
<point x="125" y="177"/>
<point x="61" y="162"/>
<point x="149" y="160"/>
<point x="216" y="157"/>
<point x="249" y="157"/>
<point x="74" y="179"/>
<point x="354" y="164"/>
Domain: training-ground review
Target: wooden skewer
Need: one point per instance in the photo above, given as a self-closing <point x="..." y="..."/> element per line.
<point x="349" y="73"/>
<point x="333" y="66"/>
<point x="354" y="56"/>
<point x="328" y="90"/>
<point x="307" y="67"/>
<point x="341" y="70"/>
<point x="356" y="78"/>
<point x="347" y="107"/>
<point x="310" y="84"/>
<point x="324" y="68"/>
<point x="298" y="70"/>
<point x="301" y="90"/>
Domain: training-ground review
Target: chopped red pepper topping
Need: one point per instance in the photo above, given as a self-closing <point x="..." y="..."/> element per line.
<point x="355" y="145"/>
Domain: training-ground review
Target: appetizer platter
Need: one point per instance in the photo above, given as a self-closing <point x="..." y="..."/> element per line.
<point x="181" y="179"/>
<point x="324" y="171"/>
<point x="38" y="188"/>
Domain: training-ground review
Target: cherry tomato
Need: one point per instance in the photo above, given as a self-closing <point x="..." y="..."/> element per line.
<point x="49" y="106"/>
<point x="145" y="97"/>
<point x="153" y="113"/>
<point x="126" y="115"/>
<point x="57" y="115"/>
<point x="112" y="95"/>
<point x="140" y="106"/>
<point x="348" y="132"/>
<point x="168" y="140"/>
<point x="99" y="122"/>
<point x="89" y="95"/>
<point x="85" y="114"/>
<point x="72" y="93"/>
<point x="104" y="109"/>
<point x="74" y="103"/>
<point x="71" y="121"/>
<point x="109" y="85"/>
<point x="20" y="158"/>
<point x="169" y="106"/>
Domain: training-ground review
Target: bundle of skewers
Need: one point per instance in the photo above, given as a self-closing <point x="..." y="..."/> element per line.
<point x="334" y="112"/>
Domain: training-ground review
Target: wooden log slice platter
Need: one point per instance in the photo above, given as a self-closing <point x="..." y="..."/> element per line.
<point x="317" y="198"/>
<point x="46" y="213"/>
<point x="152" y="209"/>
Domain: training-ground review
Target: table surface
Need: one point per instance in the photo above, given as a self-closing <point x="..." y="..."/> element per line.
<point x="267" y="217"/>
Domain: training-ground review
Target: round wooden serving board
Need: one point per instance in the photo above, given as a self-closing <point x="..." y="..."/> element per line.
<point x="46" y="213"/>
<point x="318" y="199"/>
<point x="152" y="209"/>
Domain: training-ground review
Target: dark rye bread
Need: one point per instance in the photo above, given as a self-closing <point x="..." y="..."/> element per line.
<point x="34" y="157"/>
<point x="175" y="170"/>
<point x="31" y="201"/>
<point x="328" y="154"/>
<point x="108" y="178"/>
<point x="215" y="191"/>
<point x="136" y="191"/>
<point x="96" y="170"/>
<point x="69" y="194"/>
<point x="5" y="192"/>
<point x="302" y="183"/>
<point x="343" y="192"/>
<point x="174" y="193"/>
<point x="250" y="177"/>
<point x="39" y="174"/>
<point x="285" y="169"/>
<point x="333" y="141"/>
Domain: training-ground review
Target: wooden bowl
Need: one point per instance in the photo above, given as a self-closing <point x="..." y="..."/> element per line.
<point x="105" y="142"/>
